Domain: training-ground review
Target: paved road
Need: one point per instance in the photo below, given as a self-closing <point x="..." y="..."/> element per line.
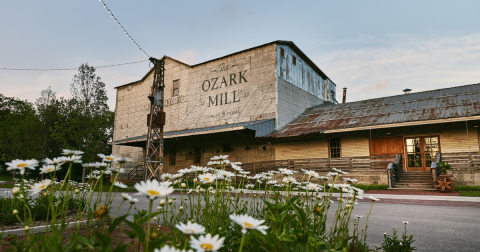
<point x="435" y="228"/>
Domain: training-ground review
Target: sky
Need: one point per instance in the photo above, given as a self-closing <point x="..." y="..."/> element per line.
<point x="373" y="48"/>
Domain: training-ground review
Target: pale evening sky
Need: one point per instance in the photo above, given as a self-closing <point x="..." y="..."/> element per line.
<point x="374" y="48"/>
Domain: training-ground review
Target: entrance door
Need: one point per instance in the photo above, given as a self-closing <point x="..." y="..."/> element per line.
<point x="421" y="152"/>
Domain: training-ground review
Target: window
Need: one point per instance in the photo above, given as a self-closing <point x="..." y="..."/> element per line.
<point x="172" y="157"/>
<point x="334" y="147"/>
<point x="226" y="148"/>
<point x="197" y="158"/>
<point x="176" y="87"/>
<point x="294" y="60"/>
<point x="282" y="52"/>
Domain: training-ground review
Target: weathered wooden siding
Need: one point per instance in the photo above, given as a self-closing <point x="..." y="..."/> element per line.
<point x="302" y="149"/>
<point x="457" y="140"/>
<point x="354" y="146"/>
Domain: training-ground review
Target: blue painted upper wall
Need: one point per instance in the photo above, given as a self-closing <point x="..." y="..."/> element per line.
<point x="301" y="74"/>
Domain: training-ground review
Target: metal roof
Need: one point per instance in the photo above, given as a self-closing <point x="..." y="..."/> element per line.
<point x="455" y="102"/>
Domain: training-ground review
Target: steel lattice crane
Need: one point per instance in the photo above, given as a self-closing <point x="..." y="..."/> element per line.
<point x="155" y="123"/>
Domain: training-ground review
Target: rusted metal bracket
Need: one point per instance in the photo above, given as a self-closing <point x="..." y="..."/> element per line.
<point x="155" y="122"/>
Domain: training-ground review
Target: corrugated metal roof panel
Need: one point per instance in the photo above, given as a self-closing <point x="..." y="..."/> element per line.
<point x="445" y="103"/>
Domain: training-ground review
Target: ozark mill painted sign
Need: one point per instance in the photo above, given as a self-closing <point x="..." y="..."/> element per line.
<point x="226" y="81"/>
<point x="239" y="89"/>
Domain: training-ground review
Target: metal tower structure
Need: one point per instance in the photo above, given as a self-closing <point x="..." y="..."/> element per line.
<point x="155" y="123"/>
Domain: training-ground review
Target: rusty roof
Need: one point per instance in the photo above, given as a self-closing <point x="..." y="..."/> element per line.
<point x="455" y="102"/>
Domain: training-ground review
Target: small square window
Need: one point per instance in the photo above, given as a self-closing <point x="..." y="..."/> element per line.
<point x="282" y="52"/>
<point x="294" y="60"/>
<point x="197" y="157"/>
<point x="334" y="147"/>
<point x="172" y="157"/>
<point x="226" y="148"/>
<point x="176" y="87"/>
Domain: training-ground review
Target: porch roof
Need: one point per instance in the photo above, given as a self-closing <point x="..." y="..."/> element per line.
<point x="261" y="128"/>
<point x="436" y="106"/>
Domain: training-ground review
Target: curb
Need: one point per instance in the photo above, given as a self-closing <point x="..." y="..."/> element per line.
<point x="39" y="229"/>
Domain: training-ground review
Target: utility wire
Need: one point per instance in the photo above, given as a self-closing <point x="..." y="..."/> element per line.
<point x="66" y="69"/>
<point x="123" y="29"/>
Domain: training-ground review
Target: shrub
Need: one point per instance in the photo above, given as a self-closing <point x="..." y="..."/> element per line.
<point x="393" y="244"/>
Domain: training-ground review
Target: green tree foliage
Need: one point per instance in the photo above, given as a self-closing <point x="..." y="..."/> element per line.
<point x="82" y="122"/>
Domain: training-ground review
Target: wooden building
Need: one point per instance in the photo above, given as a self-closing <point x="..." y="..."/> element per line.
<point x="270" y="106"/>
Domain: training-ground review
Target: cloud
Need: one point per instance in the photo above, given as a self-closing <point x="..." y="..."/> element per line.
<point x="404" y="61"/>
<point x="187" y="56"/>
<point x="376" y="86"/>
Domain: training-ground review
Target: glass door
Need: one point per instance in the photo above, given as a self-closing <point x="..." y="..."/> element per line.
<point x="421" y="152"/>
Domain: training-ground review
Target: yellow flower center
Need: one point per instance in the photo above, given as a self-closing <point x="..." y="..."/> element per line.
<point x="248" y="225"/>
<point x="22" y="165"/>
<point x="42" y="187"/>
<point x="206" y="246"/>
<point x="51" y="169"/>
<point x="207" y="179"/>
<point x="108" y="158"/>
<point x="151" y="192"/>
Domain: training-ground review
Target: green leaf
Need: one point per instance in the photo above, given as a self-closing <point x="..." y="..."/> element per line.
<point x="140" y="233"/>
<point x="116" y="222"/>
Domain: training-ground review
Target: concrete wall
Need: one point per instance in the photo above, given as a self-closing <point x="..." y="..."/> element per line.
<point x="292" y="101"/>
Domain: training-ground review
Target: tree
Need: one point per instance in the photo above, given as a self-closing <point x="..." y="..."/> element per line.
<point x="86" y="123"/>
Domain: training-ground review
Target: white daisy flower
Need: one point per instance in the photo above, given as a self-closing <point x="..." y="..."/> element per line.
<point x="207" y="178"/>
<point x="207" y="243"/>
<point x="120" y="184"/>
<point x="213" y="163"/>
<point x="123" y="160"/>
<point x="248" y="222"/>
<point x="219" y="158"/>
<point x="125" y="196"/>
<point x="289" y="179"/>
<point x="249" y="186"/>
<point x="40" y="186"/>
<point x="184" y="171"/>
<point x="349" y="180"/>
<point x="167" y="248"/>
<point x="373" y="198"/>
<point x="152" y="189"/>
<point x="191" y="228"/>
<point x="71" y="152"/>
<point x="107" y="159"/>
<point x="55" y="161"/>
<point x="133" y="200"/>
<point x="21" y="165"/>
<point x="71" y="159"/>
<point x="166" y="176"/>
<point x="405" y="222"/>
<point x="311" y="173"/>
<point x="165" y="183"/>
<point x="49" y="168"/>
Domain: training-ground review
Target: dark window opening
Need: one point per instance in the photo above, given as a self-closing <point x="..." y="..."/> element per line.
<point x="282" y="53"/>
<point x="197" y="158"/>
<point x="294" y="60"/>
<point x="264" y="148"/>
<point x="226" y="148"/>
<point x="172" y="157"/>
<point x="247" y="148"/>
<point x="334" y="147"/>
<point x="176" y="87"/>
<point x="218" y="151"/>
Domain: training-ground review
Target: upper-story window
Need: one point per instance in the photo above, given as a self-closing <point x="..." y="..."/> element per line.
<point x="294" y="60"/>
<point x="282" y="52"/>
<point x="176" y="87"/>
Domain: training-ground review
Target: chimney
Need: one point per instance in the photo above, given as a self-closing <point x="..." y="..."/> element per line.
<point x="407" y="90"/>
<point x="344" y="94"/>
